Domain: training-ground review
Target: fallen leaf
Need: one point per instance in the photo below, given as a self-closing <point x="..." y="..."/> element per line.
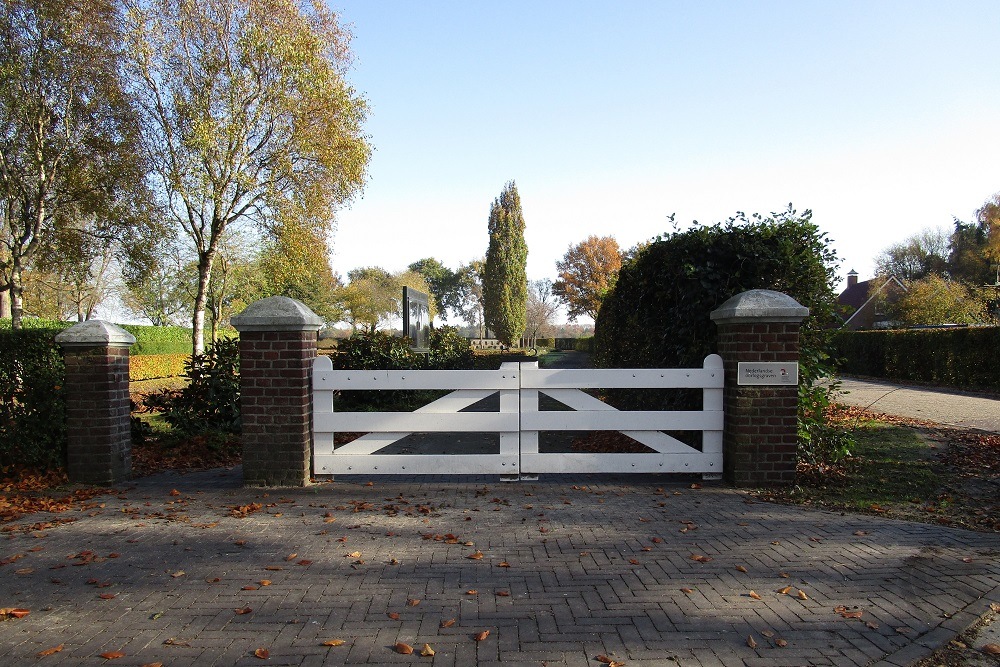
<point x="477" y="555"/>
<point x="250" y="588"/>
<point x="740" y="568"/>
<point x="178" y="573"/>
<point x="262" y="653"/>
<point x="603" y="659"/>
<point x="50" y="651"/>
<point x="784" y="591"/>
<point x="273" y="568"/>
<point x="687" y="591"/>
<point x="106" y="596"/>
<point x="265" y="582"/>
<point x="503" y="594"/>
<point x="353" y="554"/>
<point x="448" y="623"/>
<point x="991" y="649"/>
<point x="751" y="642"/>
<point x="802" y="595"/>
<point x="412" y="602"/>
<point x="767" y="633"/>
<point x="153" y="664"/>
<point x="781" y="643"/>
<point x="427" y="651"/>
<point x="633" y="561"/>
<point x="393" y="615"/>
<point x="334" y="642"/>
<point x="754" y="594"/>
<point x="872" y="625"/>
<point x="472" y="591"/>
<point x="783" y="575"/>
<point x="304" y="562"/>
<point x="112" y="655"/>
<point x="174" y="492"/>
<point x="290" y="557"/>
<point x="503" y="563"/>
<point x="243" y="610"/>
<point x="402" y="648"/>
<point x="482" y="635"/>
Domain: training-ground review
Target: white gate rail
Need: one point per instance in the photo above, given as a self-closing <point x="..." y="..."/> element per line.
<point x="518" y="421"/>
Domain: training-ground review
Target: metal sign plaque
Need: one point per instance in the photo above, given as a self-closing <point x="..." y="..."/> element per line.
<point x="767" y="373"/>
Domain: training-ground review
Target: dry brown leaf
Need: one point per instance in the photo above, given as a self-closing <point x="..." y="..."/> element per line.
<point x="393" y="615"/>
<point x="633" y="561"/>
<point x="412" y="602"/>
<point x="250" y="588"/>
<point x="262" y="653"/>
<point x="153" y="664"/>
<point x="751" y="642"/>
<point x="427" y="651"/>
<point x="50" y="651"/>
<point x="334" y="642"/>
<point x="477" y="555"/>
<point x="767" y="633"/>
<point x="448" y="623"/>
<point x="353" y="554"/>
<point x="274" y="568"/>
<point x="403" y="648"/>
<point x="783" y="575"/>
<point x="754" y="594"/>
<point x="265" y="582"/>
<point x="178" y="574"/>
<point x="991" y="649"/>
<point x="503" y="563"/>
<point x="740" y="568"/>
<point x="472" y="591"/>
<point x="784" y="591"/>
<point x="687" y="591"/>
<point x="872" y="625"/>
<point x="243" y="611"/>
<point x="781" y="643"/>
<point x="112" y="655"/>
<point x="603" y="659"/>
<point x="107" y="596"/>
<point x="503" y="594"/>
<point x="482" y="635"/>
<point x="290" y="557"/>
<point x="802" y="595"/>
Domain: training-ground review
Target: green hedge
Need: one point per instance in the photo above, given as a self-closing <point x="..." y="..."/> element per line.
<point x="32" y="405"/>
<point x="965" y="358"/>
<point x="159" y="340"/>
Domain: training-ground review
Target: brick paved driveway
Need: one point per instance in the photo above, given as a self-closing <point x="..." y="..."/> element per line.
<point x="570" y="569"/>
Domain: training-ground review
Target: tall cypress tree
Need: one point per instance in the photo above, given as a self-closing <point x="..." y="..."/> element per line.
<point x="505" y="279"/>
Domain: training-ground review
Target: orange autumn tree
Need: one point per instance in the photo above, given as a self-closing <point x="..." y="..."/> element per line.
<point x="587" y="272"/>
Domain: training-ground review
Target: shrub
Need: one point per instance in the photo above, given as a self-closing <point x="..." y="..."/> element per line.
<point x="658" y="314"/>
<point x="449" y="350"/>
<point x="32" y="402"/>
<point x="211" y="400"/>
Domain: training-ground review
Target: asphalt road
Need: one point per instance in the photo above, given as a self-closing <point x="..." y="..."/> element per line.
<point x="941" y="406"/>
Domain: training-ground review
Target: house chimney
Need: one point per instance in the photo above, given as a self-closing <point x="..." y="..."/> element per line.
<point x="852" y="278"/>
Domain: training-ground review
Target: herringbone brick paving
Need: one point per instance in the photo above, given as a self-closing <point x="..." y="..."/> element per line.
<point x="571" y="568"/>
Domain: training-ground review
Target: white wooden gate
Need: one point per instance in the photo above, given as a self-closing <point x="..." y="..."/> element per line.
<point x="518" y="420"/>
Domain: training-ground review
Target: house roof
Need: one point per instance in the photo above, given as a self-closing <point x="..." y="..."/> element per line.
<point x="858" y="293"/>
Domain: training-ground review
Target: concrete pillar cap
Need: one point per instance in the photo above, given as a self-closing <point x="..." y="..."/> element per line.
<point x="95" y="333"/>
<point x="277" y="313"/>
<point x="759" y="305"/>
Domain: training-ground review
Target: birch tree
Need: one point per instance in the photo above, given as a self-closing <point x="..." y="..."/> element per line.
<point x="248" y="118"/>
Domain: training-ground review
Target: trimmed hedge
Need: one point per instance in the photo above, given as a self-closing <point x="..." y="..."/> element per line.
<point x="32" y="402"/>
<point x="159" y="340"/>
<point x="152" y="366"/>
<point x="965" y="358"/>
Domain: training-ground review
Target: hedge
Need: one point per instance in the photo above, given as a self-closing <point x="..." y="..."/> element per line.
<point x="32" y="405"/>
<point x="152" y="366"/>
<point x="962" y="358"/>
<point x="159" y="340"/>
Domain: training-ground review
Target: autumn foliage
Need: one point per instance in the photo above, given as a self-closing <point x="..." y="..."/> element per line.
<point x="587" y="272"/>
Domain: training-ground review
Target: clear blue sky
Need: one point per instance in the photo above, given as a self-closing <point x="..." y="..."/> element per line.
<point x="881" y="117"/>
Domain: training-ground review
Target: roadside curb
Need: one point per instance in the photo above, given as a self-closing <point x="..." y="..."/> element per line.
<point x="925" y="645"/>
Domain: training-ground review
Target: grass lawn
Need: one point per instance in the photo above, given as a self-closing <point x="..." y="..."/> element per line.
<point x="907" y="469"/>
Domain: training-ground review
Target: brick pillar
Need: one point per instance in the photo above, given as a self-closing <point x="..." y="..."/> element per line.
<point x="277" y="348"/>
<point x="760" y="438"/>
<point x="99" y="434"/>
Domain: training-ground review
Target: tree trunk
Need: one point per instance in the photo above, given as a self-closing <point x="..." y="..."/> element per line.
<point x="5" y="303"/>
<point x="200" y="301"/>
